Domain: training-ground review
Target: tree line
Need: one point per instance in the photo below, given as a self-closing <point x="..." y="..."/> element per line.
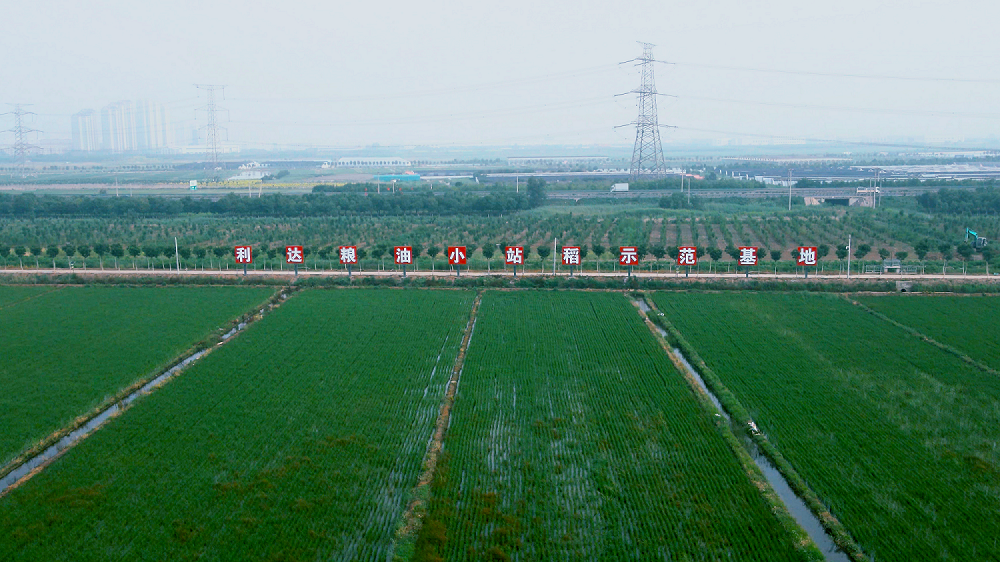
<point x="29" y="205"/>
<point x="983" y="200"/>
<point x="542" y="251"/>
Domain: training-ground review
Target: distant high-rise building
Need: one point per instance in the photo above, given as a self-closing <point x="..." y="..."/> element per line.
<point x="153" y="131"/>
<point x="118" y="127"/>
<point x="86" y="134"/>
<point x="134" y="126"/>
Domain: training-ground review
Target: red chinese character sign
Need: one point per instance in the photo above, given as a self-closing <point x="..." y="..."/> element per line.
<point x="457" y="258"/>
<point x="807" y="257"/>
<point x="687" y="256"/>
<point x="514" y="255"/>
<point x="628" y="256"/>
<point x="244" y="255"/>
<point x="348" y="257"/>
<point x="747" y="257"/>
<point x="295" y="255"/>
<point x="403" y="256"/>
<point x="571" y="257"/>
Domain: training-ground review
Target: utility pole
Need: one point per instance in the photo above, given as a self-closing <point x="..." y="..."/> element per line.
<point x="878" y="185"/>
<point x="21" y="148"/>
<point x="212" y="125"/>
<point x="554" y="242"/>
<point x="789" y="189"/>
<point x="848" y="256"/>
<point x="647" y="154"/>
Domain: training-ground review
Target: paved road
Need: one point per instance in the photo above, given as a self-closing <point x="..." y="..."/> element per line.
<point x="286" y="274"/>
<point x="826" y="192"/>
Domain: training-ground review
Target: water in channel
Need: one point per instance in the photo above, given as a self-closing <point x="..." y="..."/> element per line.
<point x="795" y="505"/>
<point x="100" y="419"/>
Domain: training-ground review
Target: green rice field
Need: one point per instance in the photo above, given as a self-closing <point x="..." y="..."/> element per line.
<point x="968" y="324"/>
<point x="14" y="295"/>
<point x="897" y="436"/>
<point x="573" y="437"/>
<point x="64" y="350"/>
<point x="300" y="440"/>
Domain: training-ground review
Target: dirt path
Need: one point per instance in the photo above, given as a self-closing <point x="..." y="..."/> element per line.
<point x="694" y="277"/>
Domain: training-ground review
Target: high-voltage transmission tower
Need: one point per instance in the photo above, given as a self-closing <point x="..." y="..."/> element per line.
<point x="647" y="155"/>
<point x="212" y="125"/>
<point x="21" y="148"/>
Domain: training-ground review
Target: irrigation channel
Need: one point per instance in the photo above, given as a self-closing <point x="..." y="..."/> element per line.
<point x="793" y="503"/>
<point x="412" y="518"/>
<point x="36" y="463"/>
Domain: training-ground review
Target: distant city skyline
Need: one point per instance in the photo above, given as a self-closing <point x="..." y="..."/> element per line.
<point x="396" y="73"/>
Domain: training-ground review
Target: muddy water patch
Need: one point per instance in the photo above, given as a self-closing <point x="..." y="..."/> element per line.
<point x="793" y="503"/>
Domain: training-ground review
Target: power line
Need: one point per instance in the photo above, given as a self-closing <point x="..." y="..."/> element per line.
<point x="647" y="154"/>
<point x="833" y="141"/>
<point x="842" y="74"/>
<point x="931" y="113"/>
<point x="492" y="85"/>
<point x="459" y="116"/>
<point x="21" y="148"/>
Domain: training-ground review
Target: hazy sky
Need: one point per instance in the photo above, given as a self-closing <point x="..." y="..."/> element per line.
<point x="530" y="72"/>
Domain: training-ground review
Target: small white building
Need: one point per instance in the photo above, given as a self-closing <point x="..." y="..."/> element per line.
<point x="248" y="175"/>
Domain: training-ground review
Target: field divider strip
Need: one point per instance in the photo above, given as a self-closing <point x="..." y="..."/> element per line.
<point x="413" y="516"/>
<point x="739" y="414"/>
<point x="922" y="336"/>
<point x="32" y="297"/>
<point x="46" y="451"/>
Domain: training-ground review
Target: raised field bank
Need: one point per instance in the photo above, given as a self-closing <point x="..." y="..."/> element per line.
<point x="896" y="436"/>
<point x="66" y="350"/>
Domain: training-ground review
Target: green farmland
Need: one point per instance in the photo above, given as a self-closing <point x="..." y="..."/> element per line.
<point x="300" y="440"/>
<point x="898" y="437"/>
<point x="970" y="325"/>
<point x="11" y="296"/>
<point x="64" y="350"/>
<point x="574" y="438"/>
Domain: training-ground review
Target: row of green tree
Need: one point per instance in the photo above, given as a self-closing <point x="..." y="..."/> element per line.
<point x="984" y="200"/>
<point x="909" y="182"/>
<point x="29" y="205"/>
<point x="378" y="251"/>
